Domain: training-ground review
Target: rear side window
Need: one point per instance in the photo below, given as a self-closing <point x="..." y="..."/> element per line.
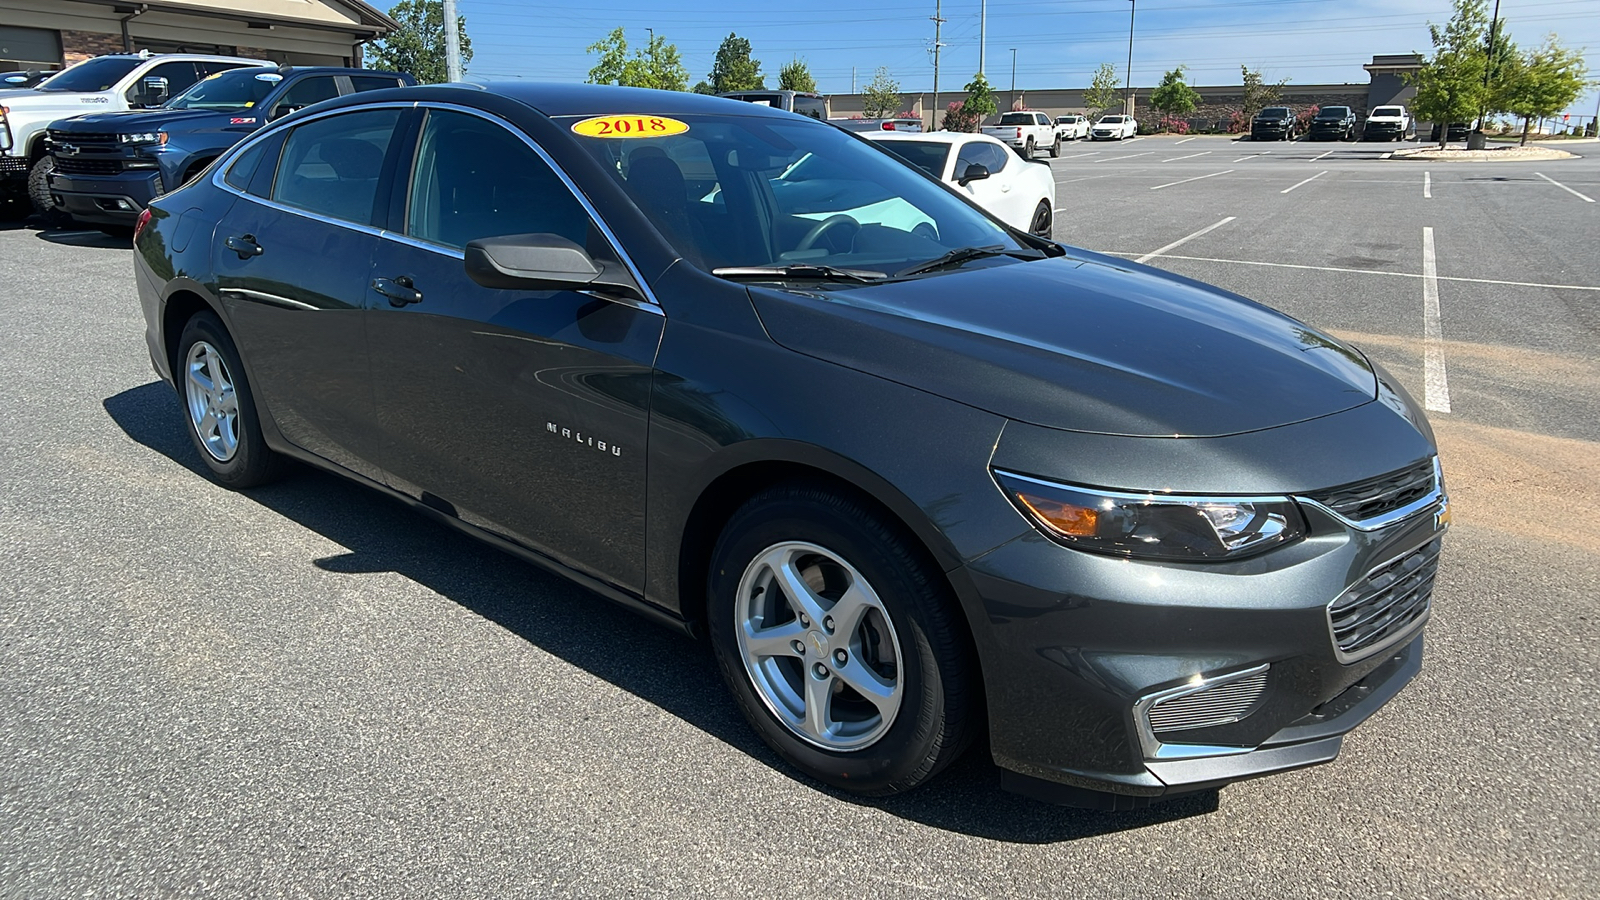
<point x="475" y="179"/>
<point x="373" y="82"/>
<point x="244" y="166"/>
<point x="331" y="166"/>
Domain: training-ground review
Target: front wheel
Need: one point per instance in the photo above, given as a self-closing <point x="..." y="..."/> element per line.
<point x="840" y="641"/>
<point x="1055" y="149"/>
<point x="220" y="410"/>
<point x="44" y="206"/>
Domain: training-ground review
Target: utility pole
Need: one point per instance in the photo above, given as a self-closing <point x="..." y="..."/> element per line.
<point x="1476" y="141"/>
<point x="938" y="20"/>
<point x="1132" y="8"/>
<point x="852" y="79"/>
<point x="1011" y="101"/>
<point x="983" y="33"/>
<point x="452" y="42"/>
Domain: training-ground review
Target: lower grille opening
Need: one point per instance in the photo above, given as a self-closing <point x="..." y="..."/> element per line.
<point x="1219" y="704"/>
<point x="1386" y="602"/>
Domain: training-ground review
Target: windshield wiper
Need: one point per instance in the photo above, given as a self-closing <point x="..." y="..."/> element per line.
<point x="797" y="272"/>
<point x="962" y="255"/>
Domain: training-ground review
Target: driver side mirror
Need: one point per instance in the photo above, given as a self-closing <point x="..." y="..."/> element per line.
<point x="540" y="262"/>
<point x="974" y="172"/>
<point x="152" y="91"/>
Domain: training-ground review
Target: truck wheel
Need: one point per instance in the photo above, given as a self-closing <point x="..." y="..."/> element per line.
<point x="39" y="192"/>
<point x="1027" y="149"/>
<point x="1055" y="149"/>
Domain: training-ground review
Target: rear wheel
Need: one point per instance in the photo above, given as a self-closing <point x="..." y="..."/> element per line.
<point x="840" y="642"/>
<point x="219" y="407"/>
<point x="1027" y="149"/>
<point x="44" y="206"/>
<point x="1042" y="220"/>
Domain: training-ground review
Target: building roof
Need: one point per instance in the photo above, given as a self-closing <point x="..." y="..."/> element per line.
<point x="353" y="16"/>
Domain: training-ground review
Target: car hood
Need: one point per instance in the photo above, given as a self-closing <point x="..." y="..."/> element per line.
<point x="1083" y="343"/>
<point x="150" y="119"/>
<point x="68" y="103"/>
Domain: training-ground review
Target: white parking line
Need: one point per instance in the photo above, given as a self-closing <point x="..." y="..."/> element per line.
<point x="1184" y="240"/>
<point x="1427" y="185"/>
<point x="1190" y="156"/>
<point x="1252" y="262"/>
<point x="1435" y="386"/>
<point x="1324" y="153"/>
<point x="1307" y="181"/>
<point x="1253" y="156"/>
<point x="1184" y="141"/>
<point x="1129" y="156"/>
<point x="1187" y="180"/>
<point x="1564" y="187"/>
<point x="1087" y="178"/>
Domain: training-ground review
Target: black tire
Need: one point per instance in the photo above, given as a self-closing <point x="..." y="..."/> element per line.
<point x="1042" y="222"/>
<point x="937" y="716"/>
<point x="252" y="462"/>
<point x="1027" y="148"/>
<point x="39" y="193"/>
<point x="1055" y="149"/>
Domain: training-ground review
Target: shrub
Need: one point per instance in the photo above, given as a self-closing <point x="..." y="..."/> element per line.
<point x="1237" y="123"/>
<point x="958" y="118"/>
<point x="1304" y="119"/>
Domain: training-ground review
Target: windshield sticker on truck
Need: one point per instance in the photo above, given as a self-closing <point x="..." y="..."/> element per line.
<point x="268" y="77"/>
<point x="629" y="127"/>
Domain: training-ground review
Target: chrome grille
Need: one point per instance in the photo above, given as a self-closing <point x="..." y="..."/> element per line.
<point x="70" y="166"/>
<point x="1220" y="704"/>
<point x="1385" y="603"/>
<point x="1362" y="500"/>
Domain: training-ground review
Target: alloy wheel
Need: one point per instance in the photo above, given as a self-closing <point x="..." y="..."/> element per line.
<point x="213" y="402"/>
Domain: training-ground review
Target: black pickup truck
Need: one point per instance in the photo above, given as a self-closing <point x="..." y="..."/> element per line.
<point x="109" y="166"/>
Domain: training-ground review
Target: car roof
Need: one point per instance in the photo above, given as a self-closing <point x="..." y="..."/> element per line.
<point x="554" y="99"/>
<point x="290" y="71"/>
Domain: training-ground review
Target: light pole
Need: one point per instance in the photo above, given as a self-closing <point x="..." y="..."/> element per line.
<point x="1012" y="100"/>
<point x="1476" y="141"/>
<point x="452" y="42"/>
<point x="1132" y="8"/>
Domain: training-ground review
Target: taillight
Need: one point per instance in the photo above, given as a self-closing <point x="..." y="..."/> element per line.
<point x="888" y="126"/>
<point x="1019" y="134"/>
<point x="138" y="227"/>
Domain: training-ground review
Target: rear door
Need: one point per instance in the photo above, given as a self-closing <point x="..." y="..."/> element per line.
<point x="522" y="412"/>
<point x="291" y="261"/>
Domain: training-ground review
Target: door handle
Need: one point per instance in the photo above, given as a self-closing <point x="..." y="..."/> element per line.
<point x="245" y="246"/>
<point x="398" y="289"/>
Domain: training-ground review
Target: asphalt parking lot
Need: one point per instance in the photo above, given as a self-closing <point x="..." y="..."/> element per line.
<point x="305" y="691"/>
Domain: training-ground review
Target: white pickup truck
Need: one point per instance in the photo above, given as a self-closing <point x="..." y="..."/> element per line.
<point x="112" y="83"/>
<point x="1025" y="132"/>
<point x="1388" y="123"/>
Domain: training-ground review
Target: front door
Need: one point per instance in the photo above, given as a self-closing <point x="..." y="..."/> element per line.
<point x="518" y="411"/>
<point x="291" y="262"/>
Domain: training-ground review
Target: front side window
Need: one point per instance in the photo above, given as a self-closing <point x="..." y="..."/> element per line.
<point x="474" y="179"/>
<point x="305" y="92"/>
<point x="179" y="76"/>
<point x="765" y="191"/>
<point x="331" y="166"/>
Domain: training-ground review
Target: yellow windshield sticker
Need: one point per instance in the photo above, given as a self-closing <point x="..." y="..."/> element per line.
<point x="631" y="126"/>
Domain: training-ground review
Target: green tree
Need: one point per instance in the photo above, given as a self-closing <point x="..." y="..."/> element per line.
<point x="1450" y="83"/>
<point x="733" y="69"/>
<point x="881" y="98"/>
<point x="796" y="77"/>
<point x="658" y="65"/>
<point x="1258" y="94"/>
<point x="1541" y="83"/>
<point x="1103" y="92"/>
<point x="417" y="47"/>
<point x="980" y="100"/>
<point x="1173" y="97"/>
<point x="703" y="87"/>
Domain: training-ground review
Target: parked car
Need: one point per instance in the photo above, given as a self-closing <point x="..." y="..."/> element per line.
<point x="103" y="84"/>
<point x="1073" y="127"/>
<point x="1020" y="193"/>
<point x="806" y="103"/>
<point x="919" y="480"/>
<point x="106" y="167"/>
<point x="1458" y="131"/>
<point x="1114" y="128"/>
<point x="898" y="123"/>
<point x="1025" y="132"/>
<point x="1333" y="123"/>
<point x="1388" y="123"/>
<point x="1275" y="123"/>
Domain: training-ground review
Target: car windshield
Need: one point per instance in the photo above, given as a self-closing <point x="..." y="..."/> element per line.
<point x="1111" y="120"/>
<point x="1333" y="112"/>
<point x="92" y="75"/>
<point x="1275" y="112"/>
<point x="231" y="90"/>
<point x="1387" y="111"/>
<point x="733" y="190"/>
<point x="929" y="156"/>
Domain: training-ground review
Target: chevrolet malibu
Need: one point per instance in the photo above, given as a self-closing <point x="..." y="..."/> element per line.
<point x="920" y="478"/>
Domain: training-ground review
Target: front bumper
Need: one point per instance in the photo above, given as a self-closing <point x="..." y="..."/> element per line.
<point x="106" y="200"/>
<point x="1327" y="132"/>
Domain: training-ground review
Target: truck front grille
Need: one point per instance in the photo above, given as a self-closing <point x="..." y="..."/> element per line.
<point x="83" y="137"/>
<point x="71" y="166"/>
<point x="1385" y="603"/>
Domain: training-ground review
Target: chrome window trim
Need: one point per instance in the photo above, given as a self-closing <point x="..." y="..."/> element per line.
<point x="1435" y="497"/>
<point x="1154" y="748"/>
<point x="651" y="303"/>
<point x="1146" y="496"/>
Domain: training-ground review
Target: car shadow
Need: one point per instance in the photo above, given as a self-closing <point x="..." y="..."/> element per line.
<point x="75" y="237"/>
<point x="583" y="629"/>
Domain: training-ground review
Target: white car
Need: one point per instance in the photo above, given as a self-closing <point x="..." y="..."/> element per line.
<point x="1019" y="192"/>
<point x="1114" y="128"/>
<point x="1072" y="128"/>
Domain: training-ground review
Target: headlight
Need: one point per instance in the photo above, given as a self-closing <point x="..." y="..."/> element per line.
<point x="144" y="137"/>
<point x="1153" y="525"/>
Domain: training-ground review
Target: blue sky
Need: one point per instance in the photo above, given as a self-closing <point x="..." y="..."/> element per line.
<point x="1059" y="43"/>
